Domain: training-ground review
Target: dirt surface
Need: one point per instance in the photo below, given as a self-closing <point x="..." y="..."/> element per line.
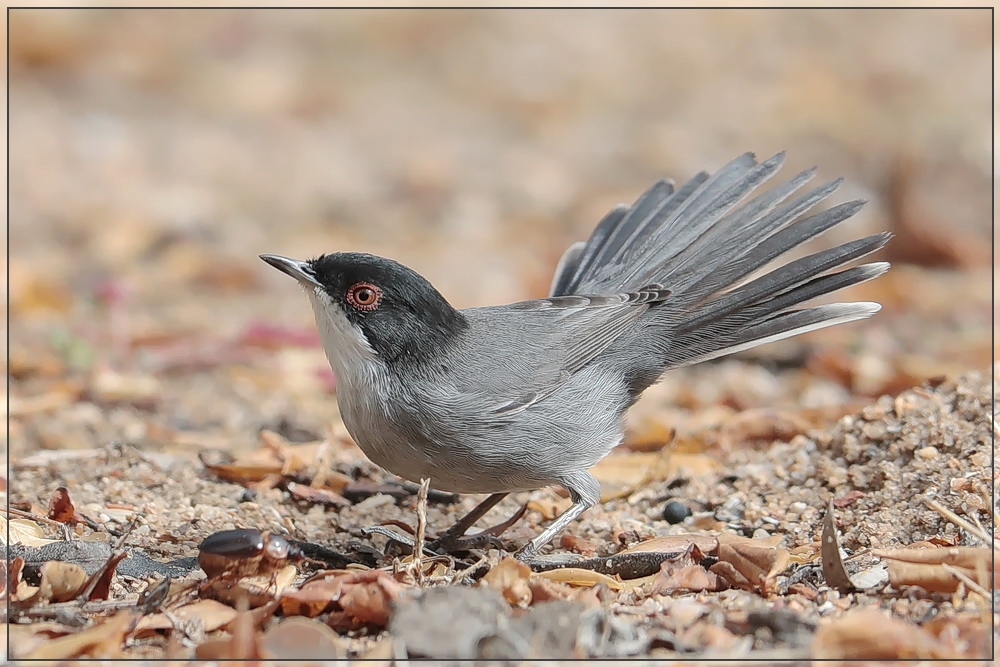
<point x="159" y="371"/>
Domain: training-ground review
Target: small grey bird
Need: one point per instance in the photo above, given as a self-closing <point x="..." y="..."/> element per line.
<point x="516" y="397"/>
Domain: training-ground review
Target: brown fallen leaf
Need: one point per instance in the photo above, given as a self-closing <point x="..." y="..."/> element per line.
<point x="256" y="591"/>
<point x="750" y="564"/>
<point x="211" y="615"/>
<point x="24" y="531"/>
<point x="871" y="634"/>
<point x="243" y="643"/>
<point x="510" y="577"/>
<point x="684" y="572"/>
<point x="693" y="578"/>
<point x="101" y="588"/>
<point x="675" y="544"/>
<point x="62" y="509"/>
<point x="312" y="599"/>
<point x="358" y="598"/>
<point x="59" y="582"/>
<point x="833" y="565"/>
<point x="244" y="471"/>
<point x="13" y="570"/>
<point x="319" y="496"/>
<point x="300" y="638"/>
<point x="105" y="639"/>
<point x="549" y="506"/>
<point x="368" y="597"/>
<point x="577" y="544"/>
<point x="575" y="576"/>
<point x="929" y="568"/>
<point x="544" y="589"/>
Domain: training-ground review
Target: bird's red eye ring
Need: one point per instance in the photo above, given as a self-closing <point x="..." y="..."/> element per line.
<point x="364" y="296"/>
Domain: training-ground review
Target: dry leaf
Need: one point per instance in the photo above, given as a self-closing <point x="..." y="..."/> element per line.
<point x="211" y="615"/>
<point x="312" y="599"/>
<point x="244" y="642"/>
<point x="361" y="597"/>
<point x="692" y="578"/>
<point x="684" y="572"/>
<point x="368" y="597"/>
<point x="13" y="569"/>
<point x="59" y="582"/>
<point x="544" y="589"/>
<point x="510" y="578"/>
<point x="23" y="531"/>
<point x="750" y="564"/>
<point x="870" y="634"/>
<point x="303" y="639"/>
<point x="105" y="639"/>
<point x="926" y="567"/>
<point x="61" y="507"/>
<point x="319" y="496"/>
<point x="579" y="545"/>
<point x="576" y="576"/>
<point x="256" y="590"/>
<point x="833" y="565"/>
<point x="105" y="577"/>
<point x="675" y="544"/>
<point x="549" y="506"/>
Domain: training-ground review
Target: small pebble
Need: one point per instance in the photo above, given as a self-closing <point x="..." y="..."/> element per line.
<point x="927" y="452"/>
<point x="675" y="511"/>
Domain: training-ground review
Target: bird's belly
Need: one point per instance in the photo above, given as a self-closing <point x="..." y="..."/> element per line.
<point x="389" y="442"/>
<point x="473" y="451"/>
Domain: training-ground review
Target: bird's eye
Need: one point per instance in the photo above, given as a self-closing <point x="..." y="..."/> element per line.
<point x="364" y="296"/>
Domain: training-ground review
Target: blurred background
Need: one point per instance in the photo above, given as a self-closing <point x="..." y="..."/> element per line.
<point x="155" y="153"/>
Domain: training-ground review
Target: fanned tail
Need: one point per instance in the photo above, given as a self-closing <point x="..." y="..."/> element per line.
<point x="700" y="244"/>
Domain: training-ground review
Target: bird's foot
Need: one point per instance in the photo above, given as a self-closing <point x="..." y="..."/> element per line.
<point x="454" y="540"/>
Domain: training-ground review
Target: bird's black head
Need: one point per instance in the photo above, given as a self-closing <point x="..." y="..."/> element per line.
<point x="402" y="317"/>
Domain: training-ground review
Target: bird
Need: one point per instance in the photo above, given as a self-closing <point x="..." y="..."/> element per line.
<point x="516" y="397"/>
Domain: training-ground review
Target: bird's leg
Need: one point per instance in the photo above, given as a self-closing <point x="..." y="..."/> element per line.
<point x="454" y="538"/>
<point x="585" y="491"/>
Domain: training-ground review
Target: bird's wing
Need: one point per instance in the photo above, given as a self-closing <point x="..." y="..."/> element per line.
<point x="533" y="347"/>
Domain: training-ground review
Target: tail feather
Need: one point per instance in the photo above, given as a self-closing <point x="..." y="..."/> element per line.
<point x="698" y="243"/>
<point x="788" y="277"/>
<point x="781" y="327"/>
<point x="745" y="244"/>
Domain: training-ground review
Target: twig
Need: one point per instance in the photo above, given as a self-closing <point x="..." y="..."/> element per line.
<point x="966" y="579"/>
<point x="462" y="574"/>
<point x="11" y="511"/>
<point x="958" y="521"/>
<point x="418" y="542"/>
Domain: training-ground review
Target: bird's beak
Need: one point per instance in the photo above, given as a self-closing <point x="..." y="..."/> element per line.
<point x="297" y="269"/>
